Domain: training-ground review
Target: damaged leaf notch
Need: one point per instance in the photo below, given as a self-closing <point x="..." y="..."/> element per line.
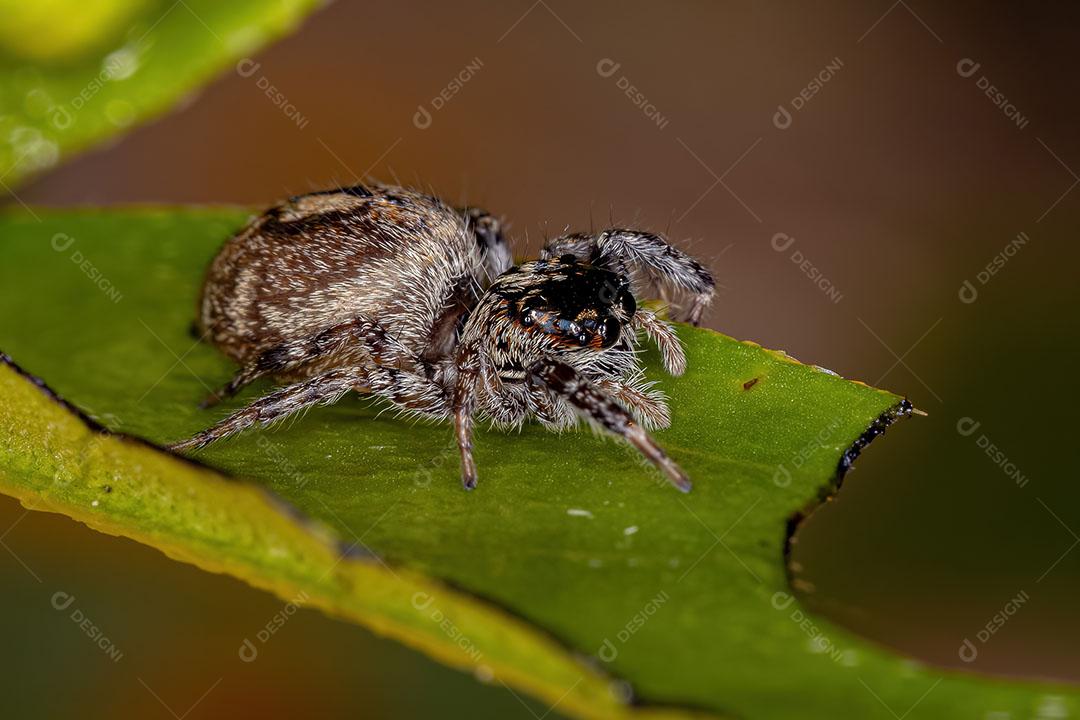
<point x="877" y="428"/>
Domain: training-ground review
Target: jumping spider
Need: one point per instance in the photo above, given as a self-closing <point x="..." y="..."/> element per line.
<point x="390" y="292"/>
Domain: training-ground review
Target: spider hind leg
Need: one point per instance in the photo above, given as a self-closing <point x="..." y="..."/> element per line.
<point x="290" y="356"/>
<point x="407" y="390"/>
<point x="322" y="389"/>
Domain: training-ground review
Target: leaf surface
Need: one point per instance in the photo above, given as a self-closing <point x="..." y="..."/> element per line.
<point x="572" y="572"/>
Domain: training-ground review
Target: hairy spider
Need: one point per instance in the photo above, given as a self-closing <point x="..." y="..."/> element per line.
<point x="390" y="292"/>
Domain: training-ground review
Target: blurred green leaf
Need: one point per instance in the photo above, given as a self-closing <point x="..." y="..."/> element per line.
<point x="74" y="72"/>
<point x="572" y="572"/>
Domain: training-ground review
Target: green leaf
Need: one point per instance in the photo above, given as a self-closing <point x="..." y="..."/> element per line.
<point x="74" y="72"/>
<point x="572" y="572"/>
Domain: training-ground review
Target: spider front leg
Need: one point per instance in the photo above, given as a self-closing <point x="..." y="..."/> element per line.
<point x="671" y="350"/>
<point x="633" y="251"/>
<point x="597" y="407"/>
<point x="649" y="406"/>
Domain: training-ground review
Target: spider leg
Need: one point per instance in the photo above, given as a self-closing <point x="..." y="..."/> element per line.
<point x="468" y="375"/>
<point x="598" y="407"/>
<point x="554" y="415"/>
<point x="487" y="230"/>
<point x="405" y="389"/>
<point x="289" y="356"/>
<point x="661" y="333"/>
<point x="629" y="251"/>
<point x="649" y="406"/>
<point x="322" y="389"/>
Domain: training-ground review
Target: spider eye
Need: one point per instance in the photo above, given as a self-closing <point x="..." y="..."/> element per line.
<point x="629" y="305"/>
<point x="582" y="339"/>
<point x="609" y="331"/>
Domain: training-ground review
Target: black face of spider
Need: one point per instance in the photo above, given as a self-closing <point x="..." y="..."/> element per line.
<point x="577" y="305"/>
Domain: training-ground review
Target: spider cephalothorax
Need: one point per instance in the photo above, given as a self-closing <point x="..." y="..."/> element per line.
<point x="390" y="292"/>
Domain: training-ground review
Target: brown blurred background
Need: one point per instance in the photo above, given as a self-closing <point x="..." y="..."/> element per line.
<point x="892" y="181"/>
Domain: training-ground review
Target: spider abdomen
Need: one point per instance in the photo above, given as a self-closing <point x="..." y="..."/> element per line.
<point x="323" y="259"/>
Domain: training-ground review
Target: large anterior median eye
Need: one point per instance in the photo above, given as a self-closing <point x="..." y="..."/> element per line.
<point x="599" y="332"/>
